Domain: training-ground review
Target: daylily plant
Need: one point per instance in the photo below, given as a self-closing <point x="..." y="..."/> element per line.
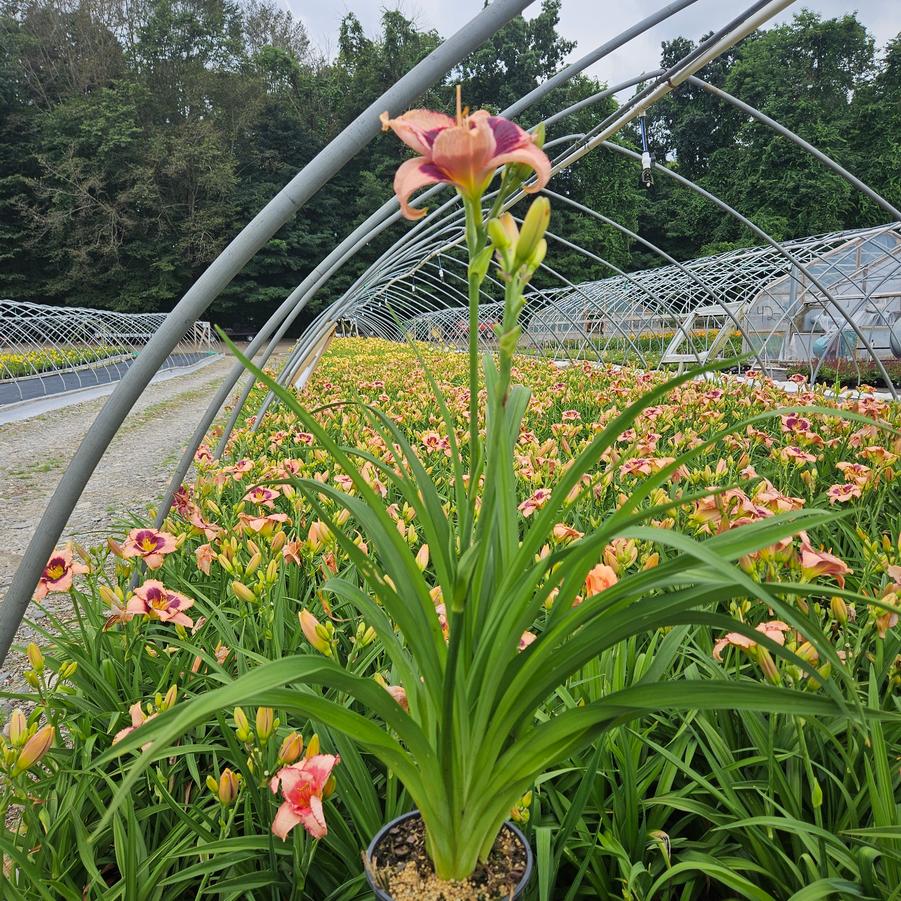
<point x="474" y="660"/>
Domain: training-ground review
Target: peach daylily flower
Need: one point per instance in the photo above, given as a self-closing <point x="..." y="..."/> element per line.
<point x="138" y="718"/>
<point x="599" y="579"/>
<point x="58" y="573"/>
<point x="464" y="152"/>
<point x="774" y="630"/>
<point x="205" y="555"/>
<point x="262" y="525"/>
<point x="155" y="601"/>
<point x="150" y="545"/>
<point x="820" y="563"/>
<point x="262" y="497"/>
<point x="302" y="786"/>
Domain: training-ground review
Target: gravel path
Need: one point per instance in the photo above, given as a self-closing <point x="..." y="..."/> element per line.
<point x="132" y="475"/>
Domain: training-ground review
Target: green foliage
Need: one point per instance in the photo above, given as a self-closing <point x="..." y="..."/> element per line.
<point x="818" y="77"/>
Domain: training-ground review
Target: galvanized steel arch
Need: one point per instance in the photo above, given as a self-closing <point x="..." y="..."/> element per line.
<point x="416" y="240"/>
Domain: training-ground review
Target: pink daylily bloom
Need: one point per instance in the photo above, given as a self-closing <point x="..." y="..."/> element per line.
<point x="600" y="579"/>
<point x="538" y="499"/>
<point x="526" y="639"/>
<point x="150" y="545"/>
<point x="302" y="785"/>
<point x="262" y="497"/>
<point x="58" y="573"/>
<point x="841" y="494"/>
<point x="155" y="601"/>
<point x="464" y="152"/>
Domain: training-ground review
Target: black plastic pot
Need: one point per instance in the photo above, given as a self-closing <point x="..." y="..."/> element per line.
<point x="382" y="895"/>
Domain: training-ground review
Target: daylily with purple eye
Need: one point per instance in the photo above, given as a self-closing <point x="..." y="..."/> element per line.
<point x="148" y="544"/>
<point x="58" y="573"/>
<point x="262" y="497"/>
<point x="155" y="601"/>
<point x="464" y="151"/>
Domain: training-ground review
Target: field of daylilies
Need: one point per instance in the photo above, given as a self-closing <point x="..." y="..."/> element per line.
<point x="256" y="802"/>
<point x="18" y="364"/>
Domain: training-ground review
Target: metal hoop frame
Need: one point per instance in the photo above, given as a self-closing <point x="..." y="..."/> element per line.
<point x="412" y="274"/>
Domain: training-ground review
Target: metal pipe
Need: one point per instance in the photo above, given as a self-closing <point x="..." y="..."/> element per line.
<point x="221" y="271"/>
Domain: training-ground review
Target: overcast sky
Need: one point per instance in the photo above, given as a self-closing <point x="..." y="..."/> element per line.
<point x="590" y="22"/>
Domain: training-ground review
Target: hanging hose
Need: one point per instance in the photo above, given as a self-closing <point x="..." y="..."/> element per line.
<point x="647" y="161"/>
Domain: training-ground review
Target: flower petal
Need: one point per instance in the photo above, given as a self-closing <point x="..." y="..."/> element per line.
<point x="411" y="176"/>
<point x="314" y="819"/>
<point x="418" y="128"/>
<point x="532" y="156"/>
<point x="285" y="820"/>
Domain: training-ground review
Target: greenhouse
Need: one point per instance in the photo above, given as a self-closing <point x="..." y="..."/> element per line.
<point x="472" y="575"/>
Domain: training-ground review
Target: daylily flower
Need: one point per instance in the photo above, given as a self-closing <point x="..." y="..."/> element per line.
<point x="464" y="152"/>
<point x="774" y="630"/>
<point x="599" y="579"/>
<point x="155" y="601"/>
<point x="526" y="639"/>
<point x="204" y="555"/>
<point x="150" y="545"/>
<point x="302" y="786"/>
<point x="262" y="525"/>
<point x="138" y="718"/>
<point x="58" y="573"/>
<point x="538" y="499"/>
<point x="820" y="563"/>
<point x="262" y="497"/>
<point x="840" y="494"/>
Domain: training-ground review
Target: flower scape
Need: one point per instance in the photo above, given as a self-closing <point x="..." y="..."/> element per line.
<point x="259" y="801"/>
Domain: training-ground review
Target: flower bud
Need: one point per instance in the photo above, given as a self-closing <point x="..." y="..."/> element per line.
<point x="212" y="785"/>
<point x="312" y="746"/>
<point x="312" y="631"/>
<point x="278" y="541"/>
<point x="503" y="232"/>
<point x="533" y="228"/>
<point x="32" y="679"/>
<point x="254" y="564"/>
<point x="229" y="783"/>
<point x="839" y="610"/>
<point x="291" y="749"/>
<point x="35" y="748"/>
<point x="264" y="723"/>
<point x="422" y="558"/>
<point x="109" y="596"/>
<point x="242" y="592"/>
<point x="35" y="657"/>
<point x="68" y="670"/>
<point x="169" y="700"/>
<point x="18" y="728"/>
<point x="242" y="724"/>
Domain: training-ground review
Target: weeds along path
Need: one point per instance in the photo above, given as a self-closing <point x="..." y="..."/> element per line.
<point x="132" y="475"/>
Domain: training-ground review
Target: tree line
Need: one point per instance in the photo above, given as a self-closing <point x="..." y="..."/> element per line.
<point x="138" y="136"/>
